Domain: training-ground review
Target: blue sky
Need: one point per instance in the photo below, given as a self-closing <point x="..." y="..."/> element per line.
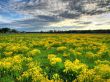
<point x="36" y="15"/>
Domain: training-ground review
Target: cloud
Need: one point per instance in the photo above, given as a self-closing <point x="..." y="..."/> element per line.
<point x="5" y="20"/>
<point x="66" y="23"/>
<point x="86" y="22"/>
<point x="53" y="14"/>
<point x="62" y="8"/>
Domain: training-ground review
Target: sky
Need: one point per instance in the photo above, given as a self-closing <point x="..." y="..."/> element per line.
<point x="37" y="15"/>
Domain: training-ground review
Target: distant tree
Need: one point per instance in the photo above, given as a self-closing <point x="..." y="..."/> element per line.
<point x="8" y="30"/>
<point x="5" y="30"/>
<point x="14" y="31"/>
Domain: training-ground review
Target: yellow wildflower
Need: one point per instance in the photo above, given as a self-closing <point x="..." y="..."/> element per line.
<point x="8" y="53"/>
<point x="50" y="56"/>
<point x="34" y="52"/>
<point x="74" y="66"/>
<point x="55" y="60"/>
<point x="62" y="48"/>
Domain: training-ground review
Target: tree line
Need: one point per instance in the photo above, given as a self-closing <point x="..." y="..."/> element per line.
<point x="8" y="30"/>
<point x="74" y="31"/>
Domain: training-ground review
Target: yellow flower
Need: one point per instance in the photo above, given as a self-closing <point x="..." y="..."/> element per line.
<point x="90" y="55"/>
<point x="34" y="52"/>
<point x="66" y="55"/>
<point x="103" y="69"/>
<point x="87" y="76"/>
<point x="17" y="59"/>
<point x="25" y="74"/>
<point x="8" y="53"/>
<point x="56" y="76"/>
<point x="50" y="56"/>
<point x="62" y="48"/>
<point x="34" y="71"/>
<point x="5" y="65"/>
<point x="0" y="47"/>
<point x="14" y="48"/>
<point x="55" y="60"/>
<point x="74" y="66"/>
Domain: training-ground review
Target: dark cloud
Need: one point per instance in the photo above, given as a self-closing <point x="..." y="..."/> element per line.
<point x="48" y="18"/>
<point x="85" y="22"/>
<point x="62" y="8"/>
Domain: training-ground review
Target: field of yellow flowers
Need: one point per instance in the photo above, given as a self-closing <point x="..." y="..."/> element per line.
<point x="54" y="58"/>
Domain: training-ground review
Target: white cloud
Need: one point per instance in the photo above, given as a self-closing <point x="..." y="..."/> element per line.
<point x="90" y="7"/>
<point x="66" y="22"/>
<point x="5" y="20"/>
<point x="86" y="22"/>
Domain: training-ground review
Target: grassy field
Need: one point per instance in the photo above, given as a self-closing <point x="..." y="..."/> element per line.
<point x="54" y="58"/>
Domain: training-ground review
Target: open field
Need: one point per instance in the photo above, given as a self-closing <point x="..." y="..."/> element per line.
<point x="54" y="58"/>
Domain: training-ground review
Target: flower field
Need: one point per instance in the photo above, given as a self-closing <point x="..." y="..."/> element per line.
<point x="54" y="58"/>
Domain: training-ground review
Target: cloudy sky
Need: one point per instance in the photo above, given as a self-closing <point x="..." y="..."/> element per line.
<point x="36" y="15"/>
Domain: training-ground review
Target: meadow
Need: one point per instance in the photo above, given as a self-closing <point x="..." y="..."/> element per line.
<point x="54" y="58"/>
